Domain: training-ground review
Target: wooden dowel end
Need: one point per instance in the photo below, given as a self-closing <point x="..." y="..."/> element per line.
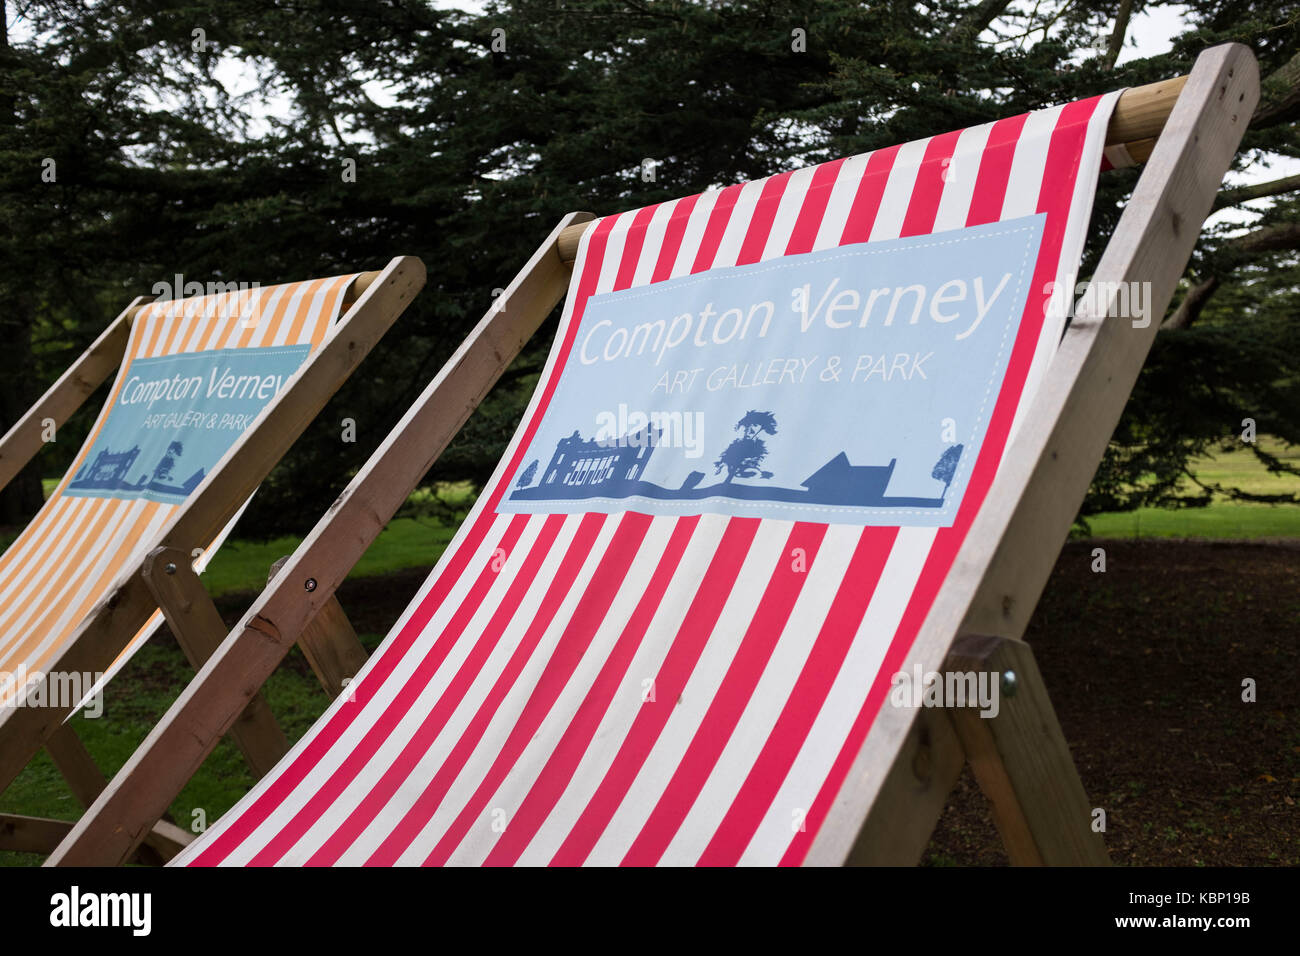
<point x="1141" y="111"/>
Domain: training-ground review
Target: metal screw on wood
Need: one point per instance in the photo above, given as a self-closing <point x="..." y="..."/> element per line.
<point x="1009" y="684"/>
<point x="310" y="584"/>
<point x="169" y="568"/>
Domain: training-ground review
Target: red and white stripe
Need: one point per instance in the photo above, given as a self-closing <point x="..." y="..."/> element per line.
<point x="621" y="688"/>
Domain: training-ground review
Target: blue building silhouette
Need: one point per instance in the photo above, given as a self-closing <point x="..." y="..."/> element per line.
<point x="579" y="463"/>
<point x="107" y="471"/>
<point x="580" y="469"/>
<point x="110" y="469"/>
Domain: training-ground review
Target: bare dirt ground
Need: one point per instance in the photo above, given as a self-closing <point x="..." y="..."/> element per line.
<point x="1144" y="664"/>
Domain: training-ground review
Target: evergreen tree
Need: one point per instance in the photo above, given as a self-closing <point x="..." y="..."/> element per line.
<point x="469" y="133"/>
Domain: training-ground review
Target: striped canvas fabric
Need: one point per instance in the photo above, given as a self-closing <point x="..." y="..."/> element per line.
<point x="105" y="515"/>
<point x="660" y="677"/>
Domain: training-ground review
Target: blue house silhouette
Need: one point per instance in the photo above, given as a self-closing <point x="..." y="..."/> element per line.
<point x="838" y="482"/>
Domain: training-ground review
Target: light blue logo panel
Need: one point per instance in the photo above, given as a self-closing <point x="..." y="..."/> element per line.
<point x="175" y="416"/>
<point x="852" y="385"/>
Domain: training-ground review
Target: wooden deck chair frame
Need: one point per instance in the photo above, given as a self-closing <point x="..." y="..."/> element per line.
<point x="900" y="780"/>
<point x="165" y="579"/>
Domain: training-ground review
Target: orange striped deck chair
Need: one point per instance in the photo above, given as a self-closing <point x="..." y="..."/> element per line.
<point x="210" y="391"/>
<point x="799" y="462"/>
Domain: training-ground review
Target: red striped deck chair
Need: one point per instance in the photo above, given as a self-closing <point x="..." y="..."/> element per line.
<point x="173" y="456"/>
<point x="752" y="495"/>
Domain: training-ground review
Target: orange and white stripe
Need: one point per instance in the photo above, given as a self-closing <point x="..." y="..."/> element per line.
<point x="75" y="549"/>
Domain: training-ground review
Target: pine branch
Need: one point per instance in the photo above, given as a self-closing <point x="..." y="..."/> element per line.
<point x="1283" y="235"/>
<point x="1116" y="45"/>
<point x="1279" y="100"/>
<point x="1275" y="238"/>
<point x="1240" y="194"/>
<point x="978" y="20"/>
<point x="1189" y="310"/>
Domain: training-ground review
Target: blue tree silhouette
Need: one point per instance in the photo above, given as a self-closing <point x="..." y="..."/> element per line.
<point x="755" y="422"/>
<point x="164" y="470"/>
<point x="741" y="459"/>
<point x="946" y="467"/>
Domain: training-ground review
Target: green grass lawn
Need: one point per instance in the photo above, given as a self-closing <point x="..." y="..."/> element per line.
<point x="134" y="702"/>
<point x="405" y="543"/>
<point x="410" y="542"/>
<point x="1222" y="518"/>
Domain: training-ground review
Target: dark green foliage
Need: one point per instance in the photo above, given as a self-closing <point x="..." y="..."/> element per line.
<point x="466" y="156"/>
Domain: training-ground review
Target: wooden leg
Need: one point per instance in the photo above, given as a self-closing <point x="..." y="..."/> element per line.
<point x="42" y="835"/>
<point x="22" y="834"/>
<point x="75" y="763"/>
<point x="1022" y="761"/>
<point x="329" y="642"/>
<point x="86" y="782"/>
<point x="908" y="803"/>
<point x="199" y="630"/>
<point x="167" y="839"/>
